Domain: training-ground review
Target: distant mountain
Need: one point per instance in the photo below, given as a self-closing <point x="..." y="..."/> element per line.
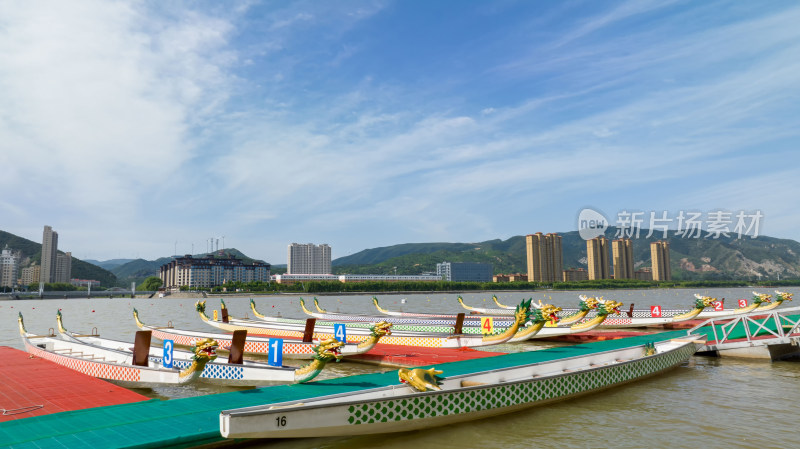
<point x="109" y="264"/>
<point x="724" y="258"/>
<point x="139" y="269"/>
<point x="32" y="253"/>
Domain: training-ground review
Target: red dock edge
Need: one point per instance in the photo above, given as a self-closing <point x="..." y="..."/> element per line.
<point x="398" y="355"/>
<point x="34" y="387"/>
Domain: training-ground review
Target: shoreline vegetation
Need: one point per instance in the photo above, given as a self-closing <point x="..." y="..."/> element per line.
<point x="320" y="287"/>
<point x="367" y="288"/>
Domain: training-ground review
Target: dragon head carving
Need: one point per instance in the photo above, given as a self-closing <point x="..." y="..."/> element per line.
<point x="328" y="350"/>
<point x="205" y="350"/>
<point x="381" y="328"/>
<point x="608" y="306"/>
<point x="523" y="311"/>
<point x="703" y="301"/>
<point x="200" y="306"/>
<point x="420" y="379"/>
<point x="544" y="313"/>
<point x="588" y="303"/>
<point x="783" y="296"/>
<point x="760" y="298"/>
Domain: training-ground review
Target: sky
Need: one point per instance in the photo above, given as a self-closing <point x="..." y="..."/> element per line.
<point x="144" y="129"/>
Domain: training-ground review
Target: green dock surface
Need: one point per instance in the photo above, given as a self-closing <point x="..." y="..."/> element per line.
<point x="192" y="422"/>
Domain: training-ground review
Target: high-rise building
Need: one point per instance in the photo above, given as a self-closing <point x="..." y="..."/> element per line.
<point x="9" y="267"/>
<point x="597" y="258"/>
<point x="659" y="253"/>
<point x="49" y="258"/>
<point x="308" y="259"/>
<point x="63" y="267"/>
<point x="544" y="256"/>
<point x="30" y="275"/>
<point x="622" y="252"/>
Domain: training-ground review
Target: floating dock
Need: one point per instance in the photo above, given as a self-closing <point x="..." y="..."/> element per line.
<point x="192" y="422"/>
<point x="35" y="387"/>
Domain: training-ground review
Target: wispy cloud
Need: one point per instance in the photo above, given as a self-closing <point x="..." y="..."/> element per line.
<point x="292" y="119"/>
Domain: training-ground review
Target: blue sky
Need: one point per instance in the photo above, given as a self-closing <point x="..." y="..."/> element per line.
<point x="138" y="128"/>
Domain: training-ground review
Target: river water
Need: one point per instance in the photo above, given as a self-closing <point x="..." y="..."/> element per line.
<point x="708" y="402"/>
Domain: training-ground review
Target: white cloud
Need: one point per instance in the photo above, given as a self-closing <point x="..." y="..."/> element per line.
<point x="98" y="98"/>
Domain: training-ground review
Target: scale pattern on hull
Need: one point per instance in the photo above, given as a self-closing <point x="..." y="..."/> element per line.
<point x="94" y="369"/>
<point x="442" y="403"/>
<point x="211" y="371"/>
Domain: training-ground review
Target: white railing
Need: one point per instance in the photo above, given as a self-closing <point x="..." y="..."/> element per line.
<point x="784" y="327"/>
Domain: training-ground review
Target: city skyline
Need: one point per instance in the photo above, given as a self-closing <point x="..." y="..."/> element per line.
<point x="141" y="129"/>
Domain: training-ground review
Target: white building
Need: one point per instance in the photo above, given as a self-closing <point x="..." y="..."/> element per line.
<point x="9" y="268"/>
<point x="308" y="259"/>
<point x="295" y="278"/>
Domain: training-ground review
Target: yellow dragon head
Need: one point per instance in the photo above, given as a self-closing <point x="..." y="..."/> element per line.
<point x="328" y="350"/>
<point x="589" y="303"/>
<point x="544" y="313"/>
<point x="381" y="328"/>
<point x="783" y="296"/>
<point x="205" y="351"/>
<point x="760" y="298"/>
<point x="420" y="379"/>
<point x="608" y="306"/>
<point x="703" y="301"/>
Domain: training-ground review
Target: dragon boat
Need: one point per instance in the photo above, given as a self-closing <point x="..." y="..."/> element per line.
<point x="761" y="302"/>
<point x="236" y="372"/>
<point x="402" y="326"/>
<point x="120" y="367"/>
<point x="259" y="346"/>
<point x="543" y="322"/>
<point x="406" y="338"/>
<point x="423" y="398"/>
<point x="548" y="324"/>
<point x="420" y="320"/>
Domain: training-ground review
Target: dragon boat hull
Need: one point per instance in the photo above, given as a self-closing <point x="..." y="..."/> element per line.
<point x="113" y="366"/>
<point x="402" y="338"/>
<point x="247" y="374"/>
<point x="398" y="408"/>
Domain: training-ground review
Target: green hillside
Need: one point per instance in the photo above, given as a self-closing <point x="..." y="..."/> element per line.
<point x="32" y="253"/>
<point x="690" y="259"/>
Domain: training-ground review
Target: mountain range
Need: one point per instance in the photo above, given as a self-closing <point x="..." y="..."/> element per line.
<point x="691" y="258"/>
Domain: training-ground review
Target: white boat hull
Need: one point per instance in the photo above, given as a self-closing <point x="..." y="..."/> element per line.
<point x="398" y="408"/>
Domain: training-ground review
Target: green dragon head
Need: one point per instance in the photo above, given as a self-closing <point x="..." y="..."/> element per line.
<point x="200" y="306"/>
<point x="649" y="349"/>
<point x="205" y="350"/>
<point x="222" y="303"/>
<point x="328" y="350"/>
<point x="783" y="296"/>
<point x="588" y="303"/>
<point x="608" y="306"/>
<point x="760" y="298"/>
<point x="544" y="313"/>
<point x="381" y="328"/>
<point x="21" y="323"/>
<point x="703" y="301"/>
